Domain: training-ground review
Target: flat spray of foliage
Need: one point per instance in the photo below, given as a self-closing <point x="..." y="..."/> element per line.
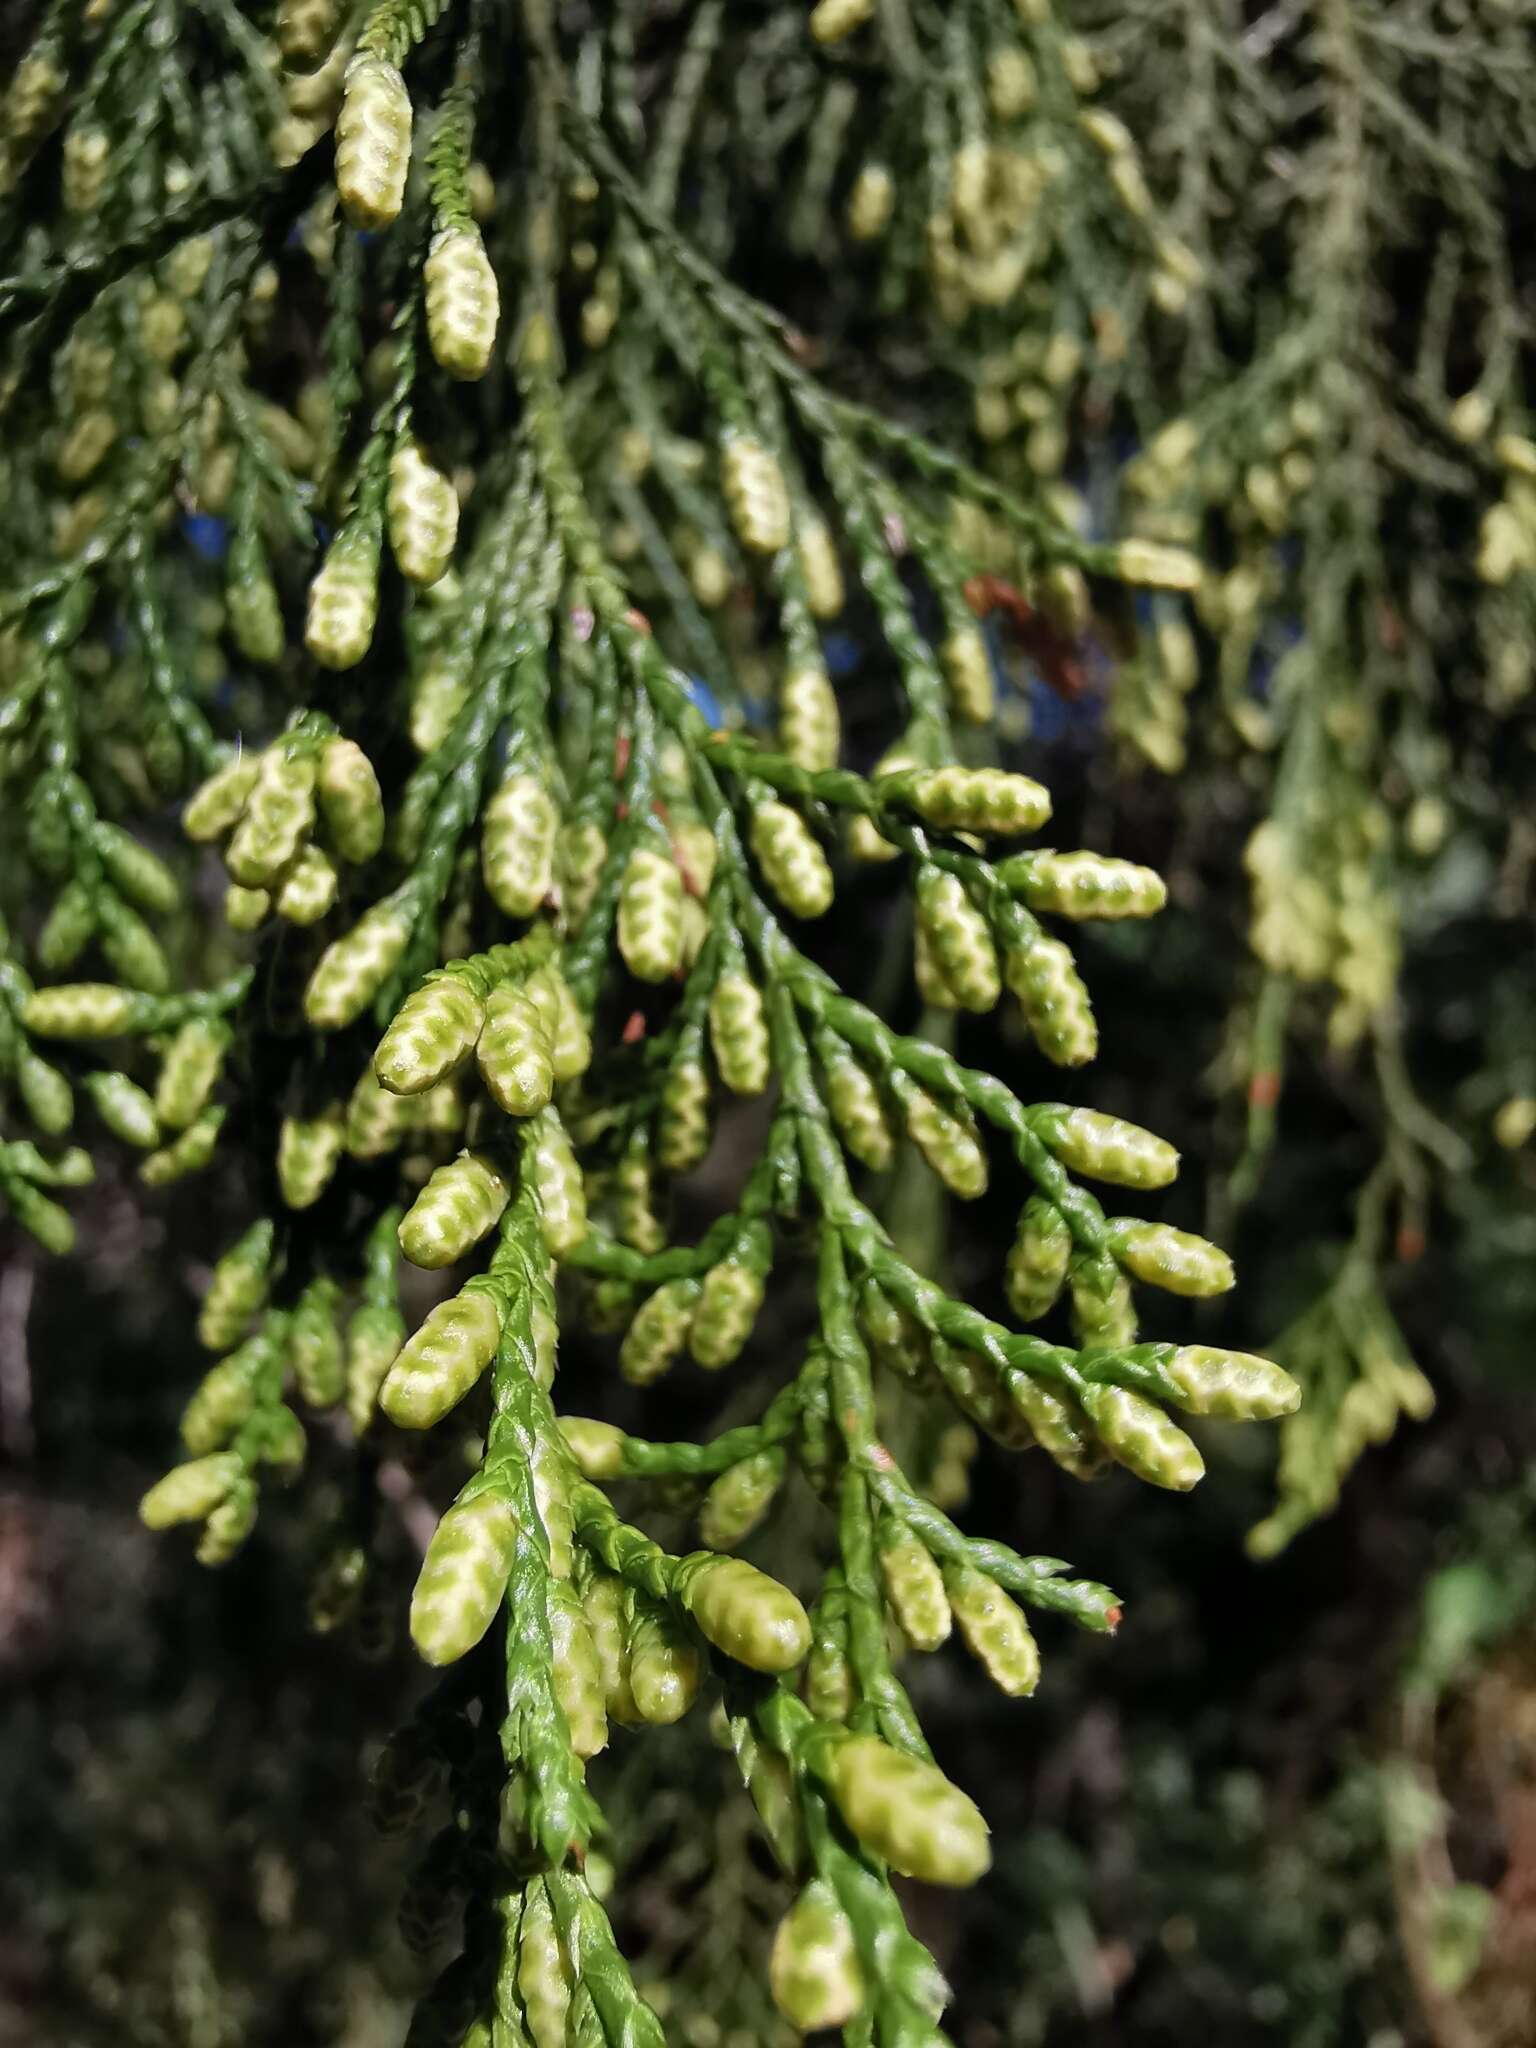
<point x="397" y="482"/>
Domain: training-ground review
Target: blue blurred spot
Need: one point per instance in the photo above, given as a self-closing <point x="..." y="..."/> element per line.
<point x="842" y="653"/>
<point x="758" y="711"/>
<point x="705" y="698"/>
<point x="207" y="536"/>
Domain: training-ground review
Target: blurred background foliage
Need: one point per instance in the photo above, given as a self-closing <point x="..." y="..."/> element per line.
<point x="1294" y="1803"/>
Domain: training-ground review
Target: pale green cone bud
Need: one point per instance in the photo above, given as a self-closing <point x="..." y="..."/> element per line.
<point x="932" y="982"/>
<point x="1140" y="1436"/>
<point x="1103" y="1307"/>
<point x="755" y="493"/>
<point x="809" y="728"/>
<point x="189" y="1071"/>
<point x="352" y="969"/>
<point x="43" y="1219"/>
<point x="87" y="153"/>
<point x="1050" y="991"/>
<point x="189" y="1493"/>
<point x="1238" y="1386"/>
<point x="574" y="1669"/>
<point x="78" y="1010"/>
<point x="813" y="1970"/>
<point x="950" y="1147"/>
<point x="245" y="909"/>
<point x="236" y="1288"/>
<point x="597" y="1447"/>
<point x="821" y="569"/>
<point x="907" y="1811"/>
<point x="682" y="1120"/>
<point x="914" y="1586"/>
<point x="654" y="1341"/>
<point x="973" y="1384"/>
<point x="833" y="20"/>
<point x="188" y="1153"/>
<point x="1107" y="1148"/>
<point x="635" y="1218"/>
<point x="664" y="1664"/>
<point x="729" y="1300"/>
<point x="739" y="1498"/>
<point x="314" y="1344"/>
<point x="581" y="850"/>
<point x="793" y="865"/>
<point x="442" y="1111"/>
<point x="830" y="1692"/>
<point x="517" y="844"/>
<point x="709" y="577"/>
<point x="351" y="802"/>
<point x="140" y="875"/>
<point x="45" y="1095"/>
<point x="1058" y="1425"/>
<point x="463" y="1577"/>
<point x="377" y="1120"/>
<point x="255" y="615"/>
<point x="987" y="800"/>
<point x="344" y="599"/>
<point x="422" y="509"/>
<point x="1175" y="1259"/>
<point x="124" y="1108"/>
<point x="133" y="952"/>
<point x="438" y="693"/>
<point x="86" y="445"/>
<point x="605" y="1605"/>
<point x="570" y="1041"/>
<point x="892" y="1334"/>
<point x="858" y="1112"/>
<point x="544" y="1975"/>
<point x="71" y="1168"/>
<point x="222" y="1399"/>
<point x="1155" y="565"/>
<point x="373" y="143"/>
<point x="545" y="1338"/>
<point x="696" y="853"/>
<point x="995" y="1630"/>
<point x="541" y="989"/>
<point x="374" y="1337"/>
<point x="439" y="1364"/>
<point x="960" y="939"/>
<point x="748" y="1615"/>
<point x="562" y="1195"/>
<point x="968" y="671"/>
<point x="304" y="31"/>
<point x="463" y="305"/>
<point x="1037" y="1263"/>
<point x="216" y="804"/>
<point x="461" y="1203"/>
<point x="308" y="1153"/>
<point x="431" y="1035"/>
<point x="68" y="929"/>
<point x="514" y="1053"/>
<point x="1085" y="885"/>
<point x="650" y="921"/>
<point x="308" y="889"/>
<point x="738" y="1032"/>
<point x="228" y="1526"/>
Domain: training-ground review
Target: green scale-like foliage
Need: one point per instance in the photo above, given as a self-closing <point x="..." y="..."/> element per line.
<point x="508" y="465"/>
